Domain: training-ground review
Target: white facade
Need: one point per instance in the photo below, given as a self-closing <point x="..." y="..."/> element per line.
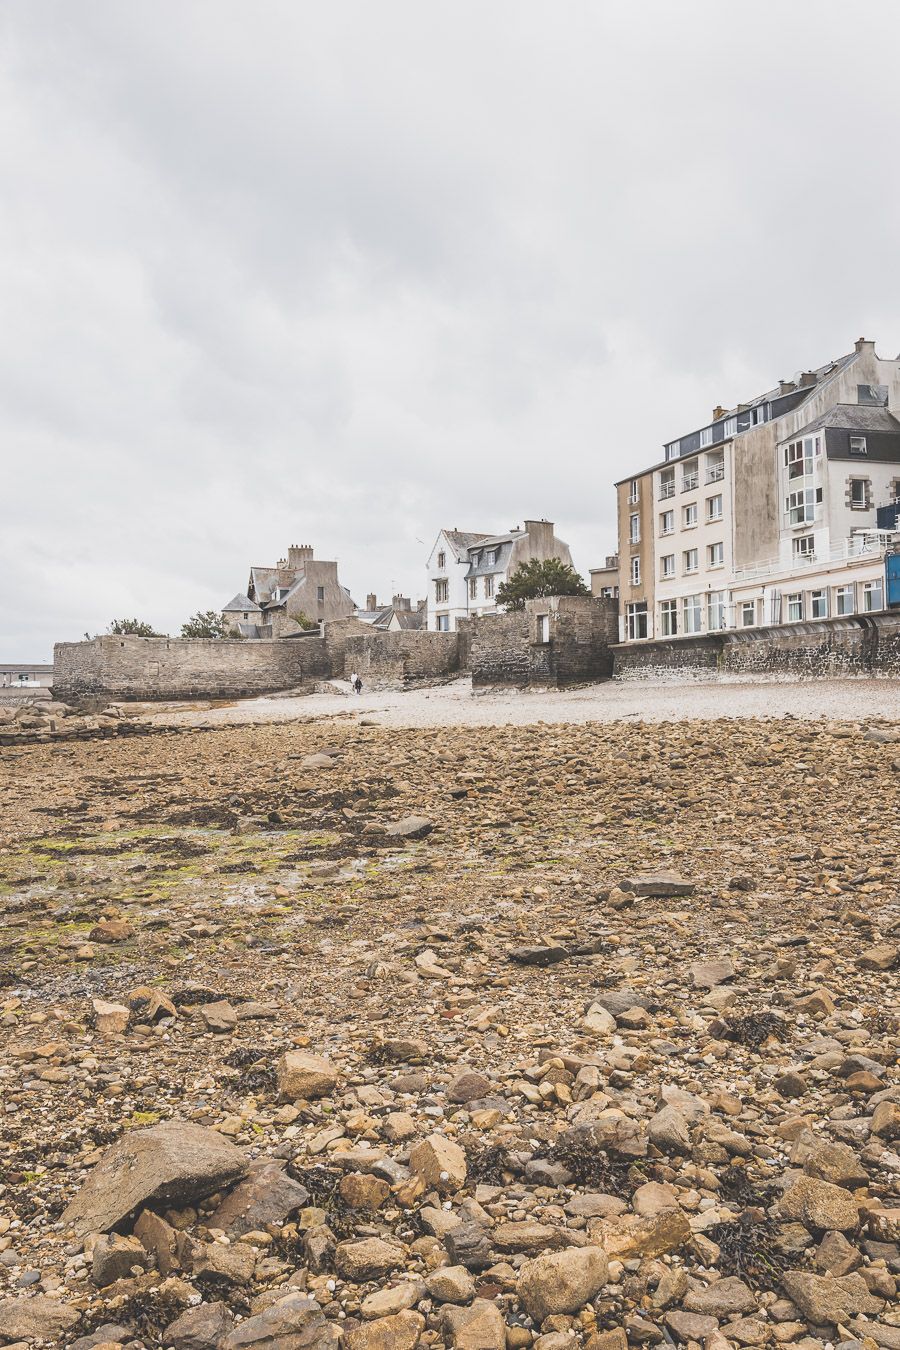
<point x="448" y="589"/>
<point x="693" y="513"/>
<point x="466" y="569"/>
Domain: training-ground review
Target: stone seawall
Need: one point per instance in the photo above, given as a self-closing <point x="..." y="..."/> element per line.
<point x="166" y="668"/>
<point x="864" y="644"/>
<point x="573" y="646"/>
<point x="414" y="655"/>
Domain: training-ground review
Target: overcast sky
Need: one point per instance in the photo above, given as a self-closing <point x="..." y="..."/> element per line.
<point x="338" y="273"/>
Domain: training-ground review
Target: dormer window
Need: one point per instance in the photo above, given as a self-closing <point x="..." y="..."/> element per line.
<point x="858" y="445"/>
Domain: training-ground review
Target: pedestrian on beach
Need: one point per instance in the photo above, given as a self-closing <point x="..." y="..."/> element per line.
<point x="357" y="685"/>
<point x="353" y="678"/>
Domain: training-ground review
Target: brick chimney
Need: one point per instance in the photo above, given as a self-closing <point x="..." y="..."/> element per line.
<point x="786" y="386"/>
<point x="401" y="602"/>
<point x="718" y="412"/>
<point x="863" y="345"/>
<point x="808" y="378"/>
<point x="371" y="601"/>
<point x="298" y="554"/>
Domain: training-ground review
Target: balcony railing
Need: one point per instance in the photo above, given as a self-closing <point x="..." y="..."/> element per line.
<point x="689" y="483"/>
<point x="666" y="490"/>
<point x="872" y="544"/>
<point x="715" y="473"/>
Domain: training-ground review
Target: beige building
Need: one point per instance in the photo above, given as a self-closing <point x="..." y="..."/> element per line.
<point x="776" y="511"/>
<point x="299" y="591"/>
<point x="605" y="580"/>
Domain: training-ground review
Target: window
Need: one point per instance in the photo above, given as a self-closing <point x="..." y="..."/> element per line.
<point x="758" y="415"/>
<point x="873" y="596"/>
<point x="690" y="476"/>
<point x="443" y="623"/>
<point x="634" y="491"/>
<point x="442" y="561"/>
<point x="844" y="602"/>
<point x="634" y="528"/>
<point x="858" y="493"/>
<point x="689" y="516"/>
<point x="714" y="507"/>
<point x="635" y="571"/>
<point x="690" y="614"/>
<point x="473" y="587"/>
<point x="673" y="450"/>
<point x="441" y="591"/>
<point x="706" y="437"/>
<point x="690" y="561"/>
<point x="729" y="427"/>
<point x="748" y="613"/>
<point x="667" y="522"/>
<point x="800" y="506"/>
<point x="636" y="621"/>
<point x="715" y="467"/>
<point x="800" y="455"/>
<point x="805" y="546"/>
<point x="858" y="445"/>
<point x="818" y="605"/>
<point x="715" y="611"/>
<point x="543" y="628"/>
<point x="715" y="555"/>
<point x="320" y="594"/>
<point x="668" y="618"/>
<point x="794" y="607"/>
<point x="668" y="565"/>
<point x="666" y="484"/>
<point x="491" y="557"/>
<point x="488" y="588"/>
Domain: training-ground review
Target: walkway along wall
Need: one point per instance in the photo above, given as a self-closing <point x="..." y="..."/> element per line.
<point x="554" y="641"/>
<point x="863" y="644"/>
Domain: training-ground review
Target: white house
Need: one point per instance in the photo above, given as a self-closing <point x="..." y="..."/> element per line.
<point x="466" y="569"/>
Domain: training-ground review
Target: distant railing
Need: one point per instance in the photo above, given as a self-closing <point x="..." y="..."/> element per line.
<point x="666" y="490"/>
<point x="872" y="544"/>
<point x="715" y="473"/>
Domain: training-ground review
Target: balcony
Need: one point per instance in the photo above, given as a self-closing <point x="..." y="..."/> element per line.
<point x="689" y="482"/>
<point x="666" y="490"/>
<point x="868" y="545"/>
<point x="715" y="473"/>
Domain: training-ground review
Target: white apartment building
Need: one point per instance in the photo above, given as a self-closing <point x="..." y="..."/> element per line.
<point x="467" y="568"/>
<point x="778" y="511"/>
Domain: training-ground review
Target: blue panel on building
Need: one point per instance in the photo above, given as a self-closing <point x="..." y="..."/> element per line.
<point x="892" y="570"/>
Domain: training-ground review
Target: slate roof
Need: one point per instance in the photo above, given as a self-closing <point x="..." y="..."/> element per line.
<point x="408" y="619"/>
<point x="479" y="565"/>
<point x="240" y="604"/>
<point x="462" y="540"/>
<point x="854" y="417"/>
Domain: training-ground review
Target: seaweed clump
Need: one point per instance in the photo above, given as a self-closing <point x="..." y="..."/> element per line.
<point x="748" y="1248"/>
<point x="754" y="1028"/>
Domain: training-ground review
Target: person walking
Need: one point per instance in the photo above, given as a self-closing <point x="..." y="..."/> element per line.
<point x="353" y="678"/>
<point x="357" y="685"/>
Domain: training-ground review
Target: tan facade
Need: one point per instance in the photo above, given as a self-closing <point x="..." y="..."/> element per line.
<point x="636" y="582"/>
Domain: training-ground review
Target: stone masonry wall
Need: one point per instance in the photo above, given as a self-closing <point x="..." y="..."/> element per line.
<point x="866" y="644"/>
<point x="415" y="655"/>
<point x="163" y="668"/>
<point x="507" y="648"/>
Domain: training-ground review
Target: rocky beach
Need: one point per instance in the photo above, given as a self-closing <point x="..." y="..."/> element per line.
<point x="321" y="1033"/>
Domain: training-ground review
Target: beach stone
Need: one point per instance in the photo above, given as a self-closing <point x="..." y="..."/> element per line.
<point x="479" y="1327"/>
<point x="562" y="1282"/>
<point x="439" y="1162"/>
<point x="200" y="1328"/>
<point x="819" y="1205"/>
<point x="292" y="1323"/>
<point x="36" y="1317"/>
<point x="173" y="1163"/>
<point x="303" y="1076"/>
<point x="451" y="1284"/>
<point x="267" y="1195"/>
<point x="398" y="1332"/>
<point x="367" y="1258"/>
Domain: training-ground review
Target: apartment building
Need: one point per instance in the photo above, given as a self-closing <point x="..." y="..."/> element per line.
<point x="776" y="511"/>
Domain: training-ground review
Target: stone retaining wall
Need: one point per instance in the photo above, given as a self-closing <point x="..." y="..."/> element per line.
<point x="859" y="644"/>
<point x="510" y="649"/>
<point x="166" y="668"/>
<point x="416" y="655"/>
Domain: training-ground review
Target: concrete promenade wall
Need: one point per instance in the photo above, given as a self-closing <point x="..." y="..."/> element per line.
<point x="162" y="668"/>
<point x="862" y="644"/>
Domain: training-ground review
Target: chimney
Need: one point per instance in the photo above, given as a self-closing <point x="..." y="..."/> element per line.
<point x="786" y="386"/>
<point x="808" y="378"/>
<point x="371" y="601"/>
<point x="718" y="412"/>
<point x="863" y="345"/>
<point x="400" y="602"/>
<point x="298" y="554"/>
<point x="540" y="538"/>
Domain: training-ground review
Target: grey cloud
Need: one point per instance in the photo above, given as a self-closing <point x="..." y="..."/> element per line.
<point x="345" y="273"/>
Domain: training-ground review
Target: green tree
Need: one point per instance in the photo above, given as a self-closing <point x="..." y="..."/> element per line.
<point x="302" y="620"/>
<point x="532" y="579"/>
<point x="136" y="627"/>
<point x="205" y="624"/>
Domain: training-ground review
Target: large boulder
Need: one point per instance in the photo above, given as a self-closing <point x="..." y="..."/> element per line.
<point x="173" y="1163"/>
<point x="267" y="1195"/>
<point x="293" y="1323"/>
<point x="819" y="1205"/>
<point x="562" y="1282"/>
<point x="35" y="1317"/>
